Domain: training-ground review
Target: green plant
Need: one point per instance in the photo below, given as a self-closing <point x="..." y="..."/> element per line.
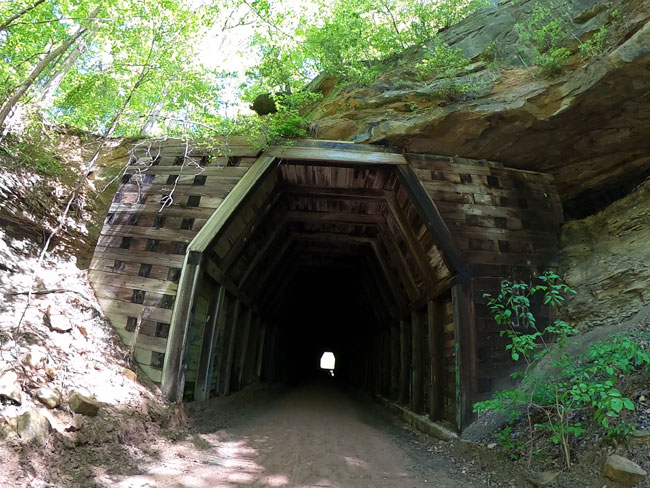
<point x="412" y="107"/>
<point x="552" y="61"/>
<point x="506" y="440"/>
<point x="596" y="45"/>
<point x="443" y="61"/>
<point x="547" y="33"/>
<point x="559" y="391"/>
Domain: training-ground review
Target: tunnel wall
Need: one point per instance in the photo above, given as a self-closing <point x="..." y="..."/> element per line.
<point x="436" y="359"/>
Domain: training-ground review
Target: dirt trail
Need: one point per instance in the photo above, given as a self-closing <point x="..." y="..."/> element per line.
<point x="314" y="436"/>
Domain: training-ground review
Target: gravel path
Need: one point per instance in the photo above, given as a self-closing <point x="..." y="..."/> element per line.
<point x="312" y="436"/>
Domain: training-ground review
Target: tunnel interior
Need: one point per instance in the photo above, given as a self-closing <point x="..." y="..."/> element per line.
<point x="319" y="258"/>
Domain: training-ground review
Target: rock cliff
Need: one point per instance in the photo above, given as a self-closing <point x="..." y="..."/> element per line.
<point x="589" y="127"/>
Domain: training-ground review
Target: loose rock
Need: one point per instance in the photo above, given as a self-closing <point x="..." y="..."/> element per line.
<point x="129" y="374"/>
<point x="48" y="397"/>
<point x="623" y="471"/>
<point x="33" y="426"/>
<point x="35" y="358"/>
<point x="58" y="322"/>
<point x="10" y="390"/>
<point x="76" y="424"/>
<point x="641" y="437"/>
<point x="543" y="478"/>
<point x="83" y="405"/>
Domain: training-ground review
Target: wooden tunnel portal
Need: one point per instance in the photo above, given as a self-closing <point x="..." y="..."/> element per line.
<point x="258" y="263"/>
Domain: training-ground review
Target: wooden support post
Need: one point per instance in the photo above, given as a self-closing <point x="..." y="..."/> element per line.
<point x="234" y="330"/>
<point x="464" y="335"/>
<point x="435" y="325"/>
<point x="173" y="376"/>
<point x="378" y="369"/>
<point x="240" y="364"/>
<point x="394" y="361"/>
<point x="206" y="360"/>
<point x="405" y="362"/>
<point x="417" y="376"/>
<point x="253" y="350"/>
<point x="260" y="351"/>
<point x="385" y="365"/>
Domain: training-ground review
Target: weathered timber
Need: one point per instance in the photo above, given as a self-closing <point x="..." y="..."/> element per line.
<point x="435" y="326"/>
<point x="417" y="355"/>
<point x="206" y="364"/>
<point x="464" y="334"/>
<point x="173" y="379"/>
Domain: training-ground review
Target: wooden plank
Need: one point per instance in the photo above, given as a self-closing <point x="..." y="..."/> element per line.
<point x="206" y="359"/>
<point x="342" y="217"/>
<point x="230" y="351"/>
<point x="466" y="363"/>
<point x="251" y="227"/>
<point x="432" y="218"/>
<point x="426" y="271"/>
<point x="261" y="253"/>
<point x="417" y="362"/>
<point x="398" y="258"/>
<point x="101" y="278"/>
<point x="242" y="351"/>
<point x="405" y="362"/>
<point x="390" y="277"/>
<point x="434" y="323"/>
<point x="260" y="351"/>
<point x="231" y="203"/>
<point x="155" y="314"/>
<point x="141" y="257"/>
<point x="334" y="156"/>
<point x="394" y="361"/>
<point x="173" y="379"/>
<point x="252" y="350"/>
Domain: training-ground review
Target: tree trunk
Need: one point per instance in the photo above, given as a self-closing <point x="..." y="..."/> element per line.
<point x="52" y="85"/>
<point x="13" y="99"/>
<point x="151" y="119"/>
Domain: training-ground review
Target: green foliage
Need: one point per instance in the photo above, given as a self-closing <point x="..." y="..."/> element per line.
<point x="32" y="151"/>
<point x="350" y="39"/>
<point x="288" y="121"/>
<point x="580" y="387"/>
<point x="444" y="61"/>
<point x="548" y="33"/>
<point x="596" y="45"/>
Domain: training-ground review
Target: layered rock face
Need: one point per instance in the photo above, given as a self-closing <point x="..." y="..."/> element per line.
<point x="589" y="127"/>
<point x="607" y="259"/>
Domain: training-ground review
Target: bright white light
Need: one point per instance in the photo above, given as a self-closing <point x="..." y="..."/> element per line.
<point x="327" y="361"/>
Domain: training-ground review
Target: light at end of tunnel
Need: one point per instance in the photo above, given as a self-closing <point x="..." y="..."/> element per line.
<point x="327" y="361"/>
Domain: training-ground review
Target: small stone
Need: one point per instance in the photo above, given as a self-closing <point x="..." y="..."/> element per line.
<point x="83" y="405"/>
<point x="623" y="471"/>
<point x="58" y="322"/>
<point x="48" y="397"/>
<point x="33" y="426"/>
<point x="129" y="374"/>
<point x="10" y="390"/>
<point x="543" y="478"/>
<point x="35" y="358"/>
<point x="492" y="445"/>
<point x="76" y="424"/>
<point x="641" y="437"/>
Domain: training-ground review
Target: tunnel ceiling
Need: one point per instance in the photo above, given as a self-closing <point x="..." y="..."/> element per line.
<point x="315" y="218"/>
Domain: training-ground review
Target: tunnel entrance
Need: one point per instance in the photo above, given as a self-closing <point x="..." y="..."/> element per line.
<point x="325" y="246"/>
<point x="317" y="254"/>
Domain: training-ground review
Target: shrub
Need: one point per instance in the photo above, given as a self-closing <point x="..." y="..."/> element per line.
<point x="444" y="61"/>
<point x="560" y="392"/>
